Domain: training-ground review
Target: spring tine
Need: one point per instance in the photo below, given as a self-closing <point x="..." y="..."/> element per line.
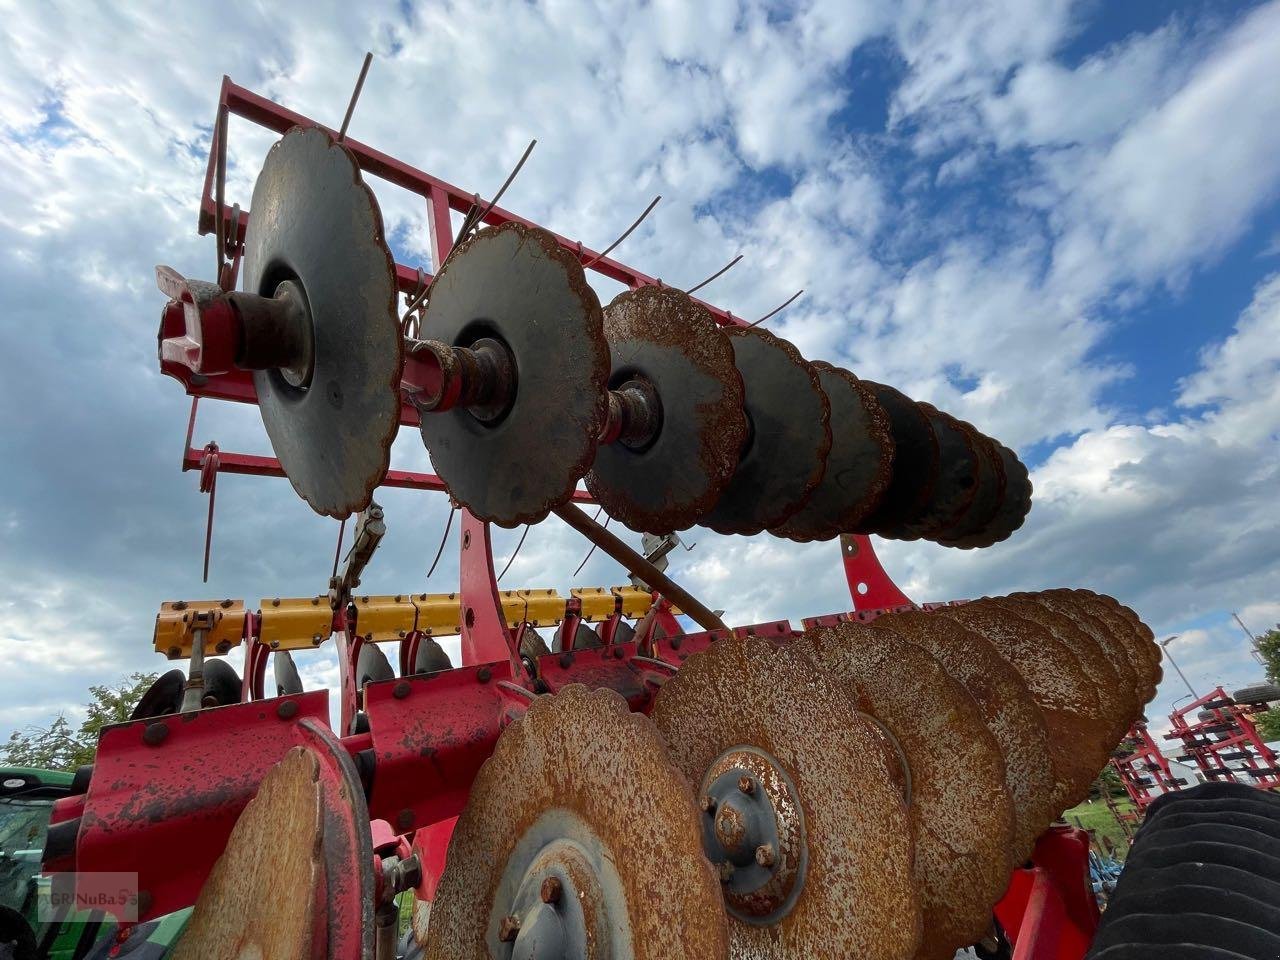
<point x="510" y="177"/>
<point x="718" y="273"/>
<point x="208" y="530"/>
<point x="443" y="541"/>
<point x="777" y="309"/>
<point x="514" y="554"/>
<point x="220" y="188"/>
<point x="355" y="95"/>
<point x="593" y="546"/>
<point x="342" y="529"/>
<point x="626" y="233"/>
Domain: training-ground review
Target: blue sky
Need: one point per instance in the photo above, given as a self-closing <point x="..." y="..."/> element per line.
<point x="1059" y="220"/>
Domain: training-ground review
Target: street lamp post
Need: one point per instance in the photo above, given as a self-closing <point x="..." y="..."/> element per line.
<point x="1164" y="644"/>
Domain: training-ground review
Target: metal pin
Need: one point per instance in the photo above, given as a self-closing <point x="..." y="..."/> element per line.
<point x="795" y="296"/>
<point x="342" y="529"/>
<point x="355" y="95"/>
<point x="626" y="233"/>
<point x="220" y="188"/>
<point x="593" y="546"/>
<point x="443" y="541"/>
<point x="718" y="273"/>
<point x="514" y="554"/>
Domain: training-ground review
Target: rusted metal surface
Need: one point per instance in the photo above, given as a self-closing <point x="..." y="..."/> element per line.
<point x="318" y="225"/>
<point x="516" y="285"/>
<point x="961" y="811"/>
<point x="789" y="436"/>
<point x="971" y="527"/>
<point x="151" y="795"/>
<point x="1008" y="710"/>
<point x="859" y="465"/>
<point x="915" y="464"/>
<point x="1016" y="502"/>
<point x="616" y="826"/>
<point x="666" y="339"/>
<point x="957" y="479"/>
<point x="859" y="897"/>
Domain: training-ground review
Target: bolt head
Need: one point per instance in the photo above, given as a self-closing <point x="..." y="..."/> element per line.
<point x="509" y="928"/>
<point x="765" y="855"/>
<point x="707" y="803"/>
<point x="551" y="890"/>
<point x="726" y="871"/>
<point x="746" y="785"/>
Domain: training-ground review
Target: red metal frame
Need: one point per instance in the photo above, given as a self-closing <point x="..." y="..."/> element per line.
<point x="1144" y="770"/>
<point x="164" y="803"/>
<point x="1228" y="737"/>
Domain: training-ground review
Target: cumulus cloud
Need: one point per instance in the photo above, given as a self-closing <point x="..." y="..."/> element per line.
<point x="977" y="251"/>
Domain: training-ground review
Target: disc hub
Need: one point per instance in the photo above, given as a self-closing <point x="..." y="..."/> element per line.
<point x="753" y="831"/>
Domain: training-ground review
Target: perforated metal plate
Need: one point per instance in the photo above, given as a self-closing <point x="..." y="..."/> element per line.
<point x="789" y="435"/>
<point x="666" y="338"/>
<point x="858" y="467"/>
<point x="315" y="222"/>
<point x="517" y="285"/>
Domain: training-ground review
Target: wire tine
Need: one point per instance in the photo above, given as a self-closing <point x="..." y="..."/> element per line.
<point x="510" y="177"/>
<point x="778" y="309"/>
<point x="626" y="233"/>
<point x="220" y="187"/>
<point x="355" y="95"/>
<point x="723" y="270"/>
<point x="342" y="529"/>
<point x="514" y="554"/>
<point x="593" y="546"/>
<point x="443" y="541"/>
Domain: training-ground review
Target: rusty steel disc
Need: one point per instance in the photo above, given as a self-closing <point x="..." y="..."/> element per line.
<point x="317" y="224"/>
<point x="957" y="482"/>
<point x="1144" y="640"/>
<point x="580" y="839"/>
<point x="1057" y="681"/>
<point x="1009" y="711"/>
<point x="974" y="527"/>
<point x="961" y="811"/>
<point x="1115" y="703"/>
<point x="668" y="340"/>
<point x="859" y="465"/>
<point x="518" y="286"/>
<point x="788" y="435"/>
<point x="801" y="806"/>
<point x="1114" y="649"/>
<point x="1142" y="655"/>
<point x="278" y="834"/>
<point x="1117" y="698"/>
<point x="1015" y="504"/>
<point x="915" y="464"/>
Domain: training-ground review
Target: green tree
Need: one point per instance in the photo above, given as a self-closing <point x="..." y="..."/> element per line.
<point x="1268" y="724"/>
<point x="58" y="746"/>
<point x="1269" y="647"/>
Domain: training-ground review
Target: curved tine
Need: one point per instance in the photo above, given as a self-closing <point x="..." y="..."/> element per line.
<point x="443" y="540"/>
<point x="593" y="546"/>
<point x="795" y="296"/>
<point x="626" y="233"/>
<point x="501" y="190"/>
<point x="515" y="553"/>
<point x="355" y="95"/>
<point x="220" y="188"/>
<point x="723" y="270"/>
<point x="337" y="553"/>
<point x="419" y="294"/>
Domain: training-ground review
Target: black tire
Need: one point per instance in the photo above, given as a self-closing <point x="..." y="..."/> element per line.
<point x="17" y="939"/>
<point x="1203" y="929"/>
<point x="1138" y="880"/>
<point x="1247" y="820"/>
<point x="1161" y="836"/>
<point x="1257" y="693"/>
<point x="1211" y="791"/>
<point x="1226" y="854"/>
<point x="1165" y="951"/>
<point x="1174" y="900"/>
<point x="1209" y="809"/>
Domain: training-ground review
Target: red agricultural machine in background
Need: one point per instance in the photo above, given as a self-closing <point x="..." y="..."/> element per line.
<point x="613" y="773"/>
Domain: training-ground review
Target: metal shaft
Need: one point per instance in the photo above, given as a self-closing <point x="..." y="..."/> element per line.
<point x="193" y="694"/>
<point x="638" y="565"/>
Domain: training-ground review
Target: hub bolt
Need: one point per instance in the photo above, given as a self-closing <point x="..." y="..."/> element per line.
<point x="746" y="785"/>
<point x="765" y="855"/>
<point x="726" y="871"/>
<point x="510" y="927"/>
<point x="551" y="890"/>
<point x="708" y="804"/>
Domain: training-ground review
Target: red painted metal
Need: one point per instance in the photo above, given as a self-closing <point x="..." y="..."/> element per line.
<point x="1226" y="747"/>
<point x="1049" y="911"/>
<point x="869" y="585"/>
<point x="1144" y="771"/>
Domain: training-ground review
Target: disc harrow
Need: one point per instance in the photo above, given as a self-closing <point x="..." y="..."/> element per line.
<point x="587" y="775"/>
